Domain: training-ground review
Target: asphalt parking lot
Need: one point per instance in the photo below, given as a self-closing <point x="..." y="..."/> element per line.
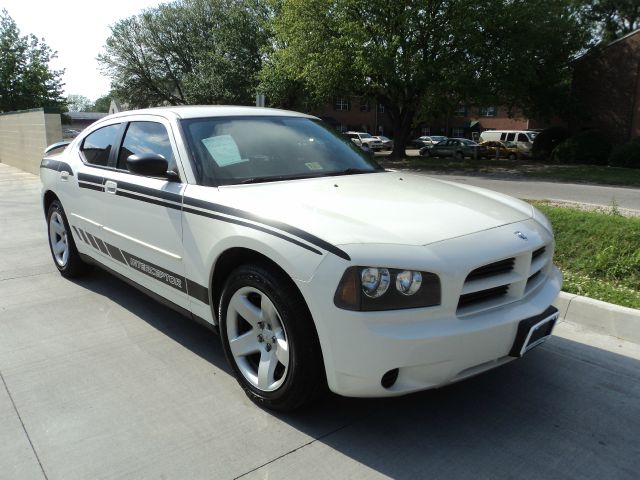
<point x="98" y="381"/>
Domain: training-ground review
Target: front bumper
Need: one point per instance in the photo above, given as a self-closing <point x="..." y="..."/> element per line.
<point x="430" y="346"/>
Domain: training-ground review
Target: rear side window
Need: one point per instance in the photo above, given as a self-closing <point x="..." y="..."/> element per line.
<point x="146" y="137"/>
<point x="503" y="136"/>
<point x="96" y="147"/>
<point x="511" y="137"/>
<point x="523" y="138"/>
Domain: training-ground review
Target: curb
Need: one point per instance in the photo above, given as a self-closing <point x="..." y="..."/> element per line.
<point x="600" y="317"/>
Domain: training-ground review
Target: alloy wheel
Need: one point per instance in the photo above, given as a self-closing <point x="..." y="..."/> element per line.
<point x="58" y="239"/>
<point x="257" y="339"/>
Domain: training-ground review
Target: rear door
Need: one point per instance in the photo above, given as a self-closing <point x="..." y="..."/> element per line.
<point x="86" y="206"/>
<point x="145" y="213"/>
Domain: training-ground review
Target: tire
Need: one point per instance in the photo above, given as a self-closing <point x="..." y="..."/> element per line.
<point x="269" y="339"/>
<point x="425" y="153"/>
<point x="512" y="156"/>
<point x="459" y="156"/>
<point x="61" y="244"/>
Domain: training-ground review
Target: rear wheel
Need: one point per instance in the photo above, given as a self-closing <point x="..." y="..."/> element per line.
<point x="63" y="249"/>
<point x="512" y="156"/>
<point x="424" y="152"/>
<point x="459" y="156"/>
<point x="269" y="339"/>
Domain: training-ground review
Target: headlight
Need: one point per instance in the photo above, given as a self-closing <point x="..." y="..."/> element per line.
<point x="375" y="288"/>
<point x="539" y="217"/>
<point x="375" y="281"/>
<point x="408" y="282"/>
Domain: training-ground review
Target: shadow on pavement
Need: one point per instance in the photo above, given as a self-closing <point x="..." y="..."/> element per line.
<point x="567" y="410"/>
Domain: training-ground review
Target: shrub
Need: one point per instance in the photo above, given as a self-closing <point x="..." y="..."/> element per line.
<point x="589" y="147"/>
<point x="547" y="140"/>
<point x="627" y="155"/>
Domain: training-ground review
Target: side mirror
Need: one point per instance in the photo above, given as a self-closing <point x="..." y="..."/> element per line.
<point x="150" y="165"/>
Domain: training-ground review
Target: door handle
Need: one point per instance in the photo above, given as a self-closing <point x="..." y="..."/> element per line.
<point x="110" y="186"/>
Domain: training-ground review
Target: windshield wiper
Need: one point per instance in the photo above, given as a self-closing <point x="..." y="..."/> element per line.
<point x="273" y="178"/>
<point x="353" y="171"/>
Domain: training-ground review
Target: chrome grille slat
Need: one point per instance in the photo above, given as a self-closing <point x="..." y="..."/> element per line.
<point x="495" y="268"/>
<point x="482" y="296"/>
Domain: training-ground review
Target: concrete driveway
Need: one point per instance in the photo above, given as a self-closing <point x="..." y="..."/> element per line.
<point x="98" y="381"/>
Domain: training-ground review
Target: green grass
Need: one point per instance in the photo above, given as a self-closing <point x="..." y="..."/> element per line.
<point x="561" y="173"/>
<point x="598" y="253"/>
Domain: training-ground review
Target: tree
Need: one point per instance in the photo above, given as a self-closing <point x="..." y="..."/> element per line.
<point x="186" y="52"/>
<point x="423" y="56"/>
<point x="611" y="19"/>
<point x="103" y="103"/>
<point x="26" y="81"/>
<point x="79" y="103"/>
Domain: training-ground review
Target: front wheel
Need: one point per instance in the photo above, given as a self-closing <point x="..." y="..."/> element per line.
<point x="459" y="156"/>
<point x="63" y="249"/>
<point x="269" y="339"/>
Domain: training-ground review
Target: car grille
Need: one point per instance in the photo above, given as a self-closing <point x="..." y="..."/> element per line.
<point x="503" y="281"/>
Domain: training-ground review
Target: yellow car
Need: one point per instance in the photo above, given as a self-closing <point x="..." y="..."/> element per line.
<point x="497" y="149"/>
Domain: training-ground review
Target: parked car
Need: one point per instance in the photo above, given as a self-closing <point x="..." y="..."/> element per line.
<point x="301" y="251"/>
<point x="387" y="143"/>
<point x="427" y="141"/>
<point x="502" y="149"/>
<point x="455" y="147"/>
<point x="363" y="138"/>
<point x="522" y="138"/>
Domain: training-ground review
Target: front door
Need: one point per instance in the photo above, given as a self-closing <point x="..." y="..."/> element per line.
<point x="145" y="213"/>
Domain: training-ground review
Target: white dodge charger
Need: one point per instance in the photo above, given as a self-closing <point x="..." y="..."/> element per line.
<point x="317" y="267"/>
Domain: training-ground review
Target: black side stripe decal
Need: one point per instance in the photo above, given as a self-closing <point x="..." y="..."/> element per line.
<point x="191" y="288"/>
<point x="91" y="186"/>
<point x="147" y="200"/>
<point x="93" y="242"/>
<point x="115" y="253"/>
<point x="197" y="291"/>
<point x="271" y="223"/>
<point x="129" y="190"/>
<point x="251" y="225"/>
<point x="56" y="165"/>
<point x="85" y="177"/>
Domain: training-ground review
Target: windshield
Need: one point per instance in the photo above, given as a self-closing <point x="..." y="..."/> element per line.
<point x="232" y="150"/>
<point x="438" y="139"/>
<point x="468" y="142"/>
<point x="365" y="135"/>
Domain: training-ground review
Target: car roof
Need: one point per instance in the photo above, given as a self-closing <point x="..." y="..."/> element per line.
<point x="203" y="111"/>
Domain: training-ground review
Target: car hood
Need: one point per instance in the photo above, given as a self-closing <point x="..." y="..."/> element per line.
<point x="386" y="207"/>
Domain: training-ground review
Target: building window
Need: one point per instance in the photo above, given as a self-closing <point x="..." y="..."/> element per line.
<point x="380" y="108"/>
<point x="341" y="127"/>
<point x="488" y="111"/>
<point x="461" y="111"/>
<point x="457" y="132"/>
<point x="342" y="103"/>
<point x="425" y="131"/>
<point x="364" y="106"/>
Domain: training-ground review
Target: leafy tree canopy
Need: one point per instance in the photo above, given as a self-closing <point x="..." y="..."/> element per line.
<point x="103" y="103"/>
<point x="79" y="103"/>
<point x="188" y="52"/>
<point x="611" y="19"/>
<point x="417" y="56"/>
<point x="26" y="81"/>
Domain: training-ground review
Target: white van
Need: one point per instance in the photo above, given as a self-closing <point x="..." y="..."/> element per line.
<point x="522" y="138"/>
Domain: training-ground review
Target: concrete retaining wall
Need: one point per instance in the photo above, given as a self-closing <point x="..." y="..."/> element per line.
<point x="24" y="136"/>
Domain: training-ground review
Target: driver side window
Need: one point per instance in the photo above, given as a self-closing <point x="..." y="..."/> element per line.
<point x="146" y="137"/>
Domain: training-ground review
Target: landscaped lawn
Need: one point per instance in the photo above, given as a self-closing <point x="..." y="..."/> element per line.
<point x="598" y="253"/>
<point x="526" y="168"/>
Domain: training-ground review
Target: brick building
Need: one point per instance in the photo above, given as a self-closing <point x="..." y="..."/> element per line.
<point x="606" y="86"/>
<point x="355" y="113"/>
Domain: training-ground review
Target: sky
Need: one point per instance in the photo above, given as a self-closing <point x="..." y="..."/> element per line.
<point x="77" y="30"/>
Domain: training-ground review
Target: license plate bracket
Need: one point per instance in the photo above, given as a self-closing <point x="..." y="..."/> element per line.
<point x="533" y="331"/>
